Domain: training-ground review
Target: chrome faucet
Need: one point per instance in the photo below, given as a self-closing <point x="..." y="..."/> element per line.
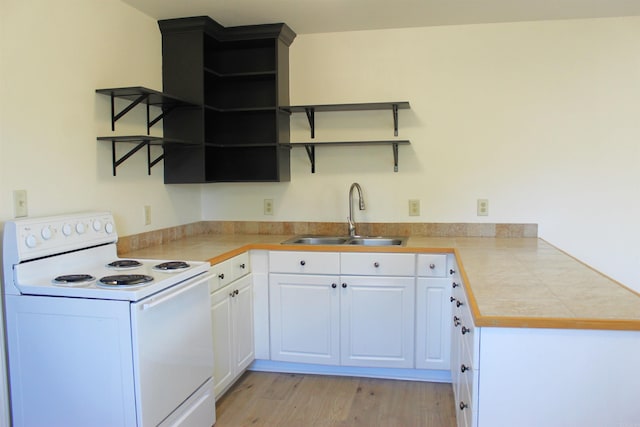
<point x="352" y="224"/>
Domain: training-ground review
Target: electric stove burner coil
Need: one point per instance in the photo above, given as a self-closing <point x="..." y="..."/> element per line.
<point x="124" y="264"/>
<point x="124" y="280"/>
<point x="171" y="266"/>
<point x="73" y="280"/>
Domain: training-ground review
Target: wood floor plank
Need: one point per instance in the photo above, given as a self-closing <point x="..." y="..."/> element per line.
<point x="296" y="400"/>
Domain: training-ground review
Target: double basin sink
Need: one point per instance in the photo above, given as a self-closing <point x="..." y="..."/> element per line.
<point x="347" y="240"/>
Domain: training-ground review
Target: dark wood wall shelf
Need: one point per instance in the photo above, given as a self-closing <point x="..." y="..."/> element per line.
<point x="310" y="110"/>
<point x="138" y="95"/>
<point x="311" y="148"/>
<point x="239" y="78"/>
<point x="140" y="142"/>
<point x="141" y="95"/>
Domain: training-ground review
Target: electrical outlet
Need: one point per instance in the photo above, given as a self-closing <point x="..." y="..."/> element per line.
<point x="414" y="207"/>
<point x="147" y="215"/>
<point x="20" y="207"/>
<point x="483" y="207"/>
<point x="268" y="206"/>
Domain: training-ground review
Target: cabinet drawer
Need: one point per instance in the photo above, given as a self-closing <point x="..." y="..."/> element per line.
<point x="432" y="265"/>
<point x="228" y="271"/>
<point x="377" y="264"/>
<point x="304" y="262"/>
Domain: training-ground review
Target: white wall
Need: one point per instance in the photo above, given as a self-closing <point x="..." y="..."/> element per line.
<point x="54" y="56"/>
<point x="541" y="118"/>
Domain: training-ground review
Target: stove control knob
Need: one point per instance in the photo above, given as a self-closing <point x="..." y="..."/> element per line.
<point x="31" y="241"/>
<point x="66" y="230"/>
<point x="46" y="232"/>
<point x="108" y="227"/>
<point x="80" y="228"/>
<point x="97" y="225"/>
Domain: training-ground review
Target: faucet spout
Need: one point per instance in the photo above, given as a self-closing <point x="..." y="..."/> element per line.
<point x="352" y="224"/>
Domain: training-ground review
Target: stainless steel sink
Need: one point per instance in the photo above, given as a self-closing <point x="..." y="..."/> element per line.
<point x="346" y="240"/>
<point x="377" y="241"/>
<point x="316" y="240"/>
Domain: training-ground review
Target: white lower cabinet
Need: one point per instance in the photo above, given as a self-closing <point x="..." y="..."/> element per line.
<point x="377" y="321"/>
<point x="342" y="319"/>
<point x="304" y="318"/>
<point x="433" y="320"/>
<point x="233" y="341"/>
<point x="350" y="320"/>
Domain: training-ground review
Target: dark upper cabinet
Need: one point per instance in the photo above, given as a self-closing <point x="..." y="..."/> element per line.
<point x="238" y="77"/>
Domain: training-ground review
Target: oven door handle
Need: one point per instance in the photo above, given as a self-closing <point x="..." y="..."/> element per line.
<point x="185" y="287"/>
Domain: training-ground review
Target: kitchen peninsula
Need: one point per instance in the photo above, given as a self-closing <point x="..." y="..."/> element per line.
<point x="552" y="342"/>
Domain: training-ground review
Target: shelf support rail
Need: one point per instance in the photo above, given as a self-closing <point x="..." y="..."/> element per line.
<point x="395" y="126"/>
<point x="117" y="162"/>
<point x="115" y="117"/>
<point x="312" y="122"/>
<point x="165" y="111"/>
<point x="311" y="152"/>
<point x="394" y="146"/>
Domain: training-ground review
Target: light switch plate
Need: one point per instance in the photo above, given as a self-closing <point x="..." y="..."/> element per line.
<point x="20" y="206"/>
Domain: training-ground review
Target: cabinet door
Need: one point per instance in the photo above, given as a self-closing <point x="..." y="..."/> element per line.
<point x="242" y="327"/>
<point x="304" y="317"/>
<point x="377" y="321"/>
<point x="433" y="323"/>
<point x="221" y="321"/>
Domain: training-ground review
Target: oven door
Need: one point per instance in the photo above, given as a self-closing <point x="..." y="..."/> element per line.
<point x="173" y="353"/>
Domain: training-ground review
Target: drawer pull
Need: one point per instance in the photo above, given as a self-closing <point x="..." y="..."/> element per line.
<point x="344" y="286"/>
<point x="455" y="285"/>
<point x="459" y="303"/>
<point x="221" y="276"/>
<point x="432" y="266"/>
<point x="234" y="293"/>
<point x="302" y="262"/>
<point x="452" y="271"/>
<point x="464" y="368"/>
<point x="452" y="299"/>
<point x="456" y="321"/>
<point x="242" y="266"/>
<point x="333" y="285"/>
<point x="465" y="330"/>
<point x="376" y="264"/>
<point x="463" y="406"/>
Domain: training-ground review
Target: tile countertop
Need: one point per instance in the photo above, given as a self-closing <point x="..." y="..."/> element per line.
<point x="511" y="282"/>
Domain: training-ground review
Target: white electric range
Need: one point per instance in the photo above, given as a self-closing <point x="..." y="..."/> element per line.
<point x="97" y="340"/>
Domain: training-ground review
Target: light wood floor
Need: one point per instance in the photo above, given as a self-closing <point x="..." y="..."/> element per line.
<point x="294" y="400"/>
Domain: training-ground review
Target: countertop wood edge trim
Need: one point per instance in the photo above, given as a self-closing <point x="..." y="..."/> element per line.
<point x="478" y="319"/>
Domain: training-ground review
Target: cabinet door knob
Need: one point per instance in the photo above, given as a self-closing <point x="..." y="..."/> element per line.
<point x="232" y="294"/>
<point x="459" y="303"/>
<point x="455" y="285"/>
<point x="376" y="264"/>
<point x="236" y="292"/>
<point x="456" y="321"/>
<point x="344" y="285"/>
<point x="221" y="276"/>
<point x="464" y="368"/>
<point x="463" y="406"/>
<point x="451" y="271"/>
<point x="333" y="285"/>
<point x="452" y="299"/>
<point x="465" y="330"/>
<point x="302" y="262"/>
<point x="432" y="266"/>
<point x="242" y="266"/>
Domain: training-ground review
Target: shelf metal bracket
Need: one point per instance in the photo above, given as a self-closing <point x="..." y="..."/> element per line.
<point x="152" y="163"/>
<point x="118" y="161"/>
<point x="395" y="122"/>
<point x="150" y="123"/>
<point x="115" y="117"/>
<point x="312" y="122"/>
<point x="395" y="156"/>
<point x="311" y="152"/>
